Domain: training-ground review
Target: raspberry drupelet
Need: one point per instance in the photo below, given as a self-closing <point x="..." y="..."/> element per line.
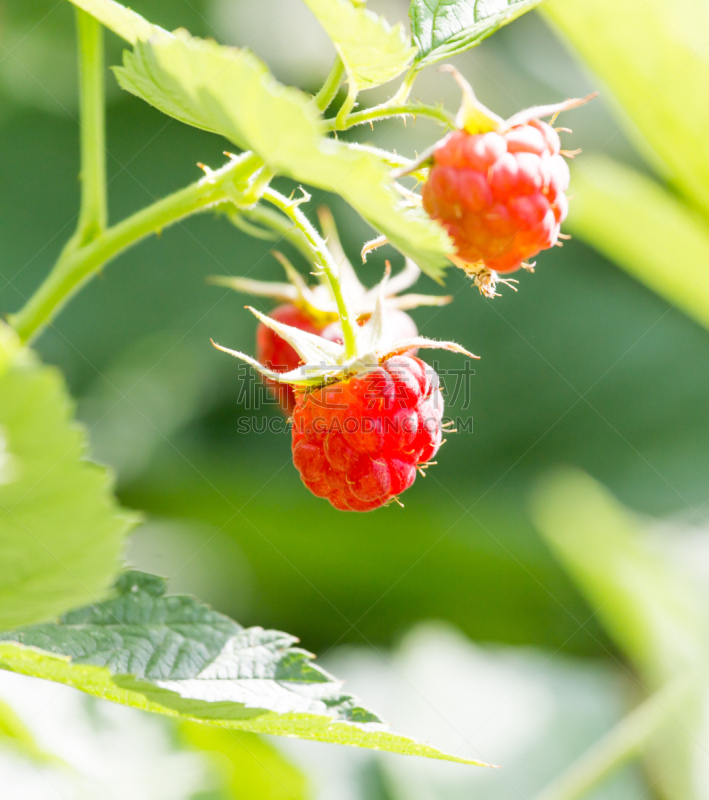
<point x="359" y="442"/>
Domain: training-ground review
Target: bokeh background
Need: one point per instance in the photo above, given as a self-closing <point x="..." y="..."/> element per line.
<point x="452" y="617"/>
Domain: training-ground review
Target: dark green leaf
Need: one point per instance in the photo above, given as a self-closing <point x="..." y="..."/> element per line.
<point x="444" y="28"/>
<point x="174" y="655"/>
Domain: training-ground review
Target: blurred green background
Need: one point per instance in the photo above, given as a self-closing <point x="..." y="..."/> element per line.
<point x="583" y="366"/>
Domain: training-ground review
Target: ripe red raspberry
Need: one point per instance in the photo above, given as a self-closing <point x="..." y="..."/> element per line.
<point x="278" y="355"/>
<point x="359" y="442"/>
<point x="500" y="195"/>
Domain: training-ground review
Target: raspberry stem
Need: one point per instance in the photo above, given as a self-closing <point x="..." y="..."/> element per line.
<point x="386" y="111"/>
<point x="346" y="108"/>
<point x="621" y="744"/>
<point x="323" y="259"/>
<point x="76" y="265"/>
<point x="93" y="216"/>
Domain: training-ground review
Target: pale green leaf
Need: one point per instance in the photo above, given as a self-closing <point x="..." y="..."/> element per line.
<point x="174" y="655"/>
<point x="646" y="230"/>
<point x="248" y="765"/>
<point x="372" y="51"/>
<point x="649" y="608"/>
<point x="15" y="735"/>
<point x="651" y="54"/>
<point x="225" y="90"/>
<point x="121" y="20"/>
<point x="231" y="92"/>
<point x="61" y="531"/>
<point x="444" y="28"/>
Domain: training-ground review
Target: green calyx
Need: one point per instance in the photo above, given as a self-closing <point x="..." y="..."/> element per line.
<point x="327" y="362"/>
<point x="473" y="117"/>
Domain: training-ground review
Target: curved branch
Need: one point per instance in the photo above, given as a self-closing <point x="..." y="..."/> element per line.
<point x="76" y="266"/>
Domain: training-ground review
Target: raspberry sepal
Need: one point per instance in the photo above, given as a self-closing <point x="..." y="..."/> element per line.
<point x="327" y="361"/>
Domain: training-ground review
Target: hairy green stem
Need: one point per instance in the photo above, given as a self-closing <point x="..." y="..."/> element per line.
<point x="386" y="111"/>
<point x="620" y="745"/>
<point x="323" y="259"/>
<point x="76" y="266"/>
<point x="392" y="159"/>
<point x="328" y="92"/>
<point x="93" y="216"/>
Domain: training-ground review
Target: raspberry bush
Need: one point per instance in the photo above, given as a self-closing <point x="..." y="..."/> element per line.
<point x="344" y="359"/>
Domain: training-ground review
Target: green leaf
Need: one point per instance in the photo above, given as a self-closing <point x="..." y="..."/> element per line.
<point x="645" y="229"/>
<point x="372" y="51"/>
<point x="225" y="90"/>
<point x="174" y="655"/>
<point x="249" y="766"/>
<point x="231" y="92"/>
<point x="61" y="531"/>
<point x="650" y="53"/>
<point x="444" y="28"/>
<point x="121" y="20"/>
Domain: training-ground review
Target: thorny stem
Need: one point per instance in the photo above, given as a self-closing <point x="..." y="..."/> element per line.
<point x="76" y="266"/>
<point x="329" y="89"/>
<point x="620" y="745"/>
<point x="386" y="111"/>
<point x="93" y="216"/>
<point x="323" y="259"/>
